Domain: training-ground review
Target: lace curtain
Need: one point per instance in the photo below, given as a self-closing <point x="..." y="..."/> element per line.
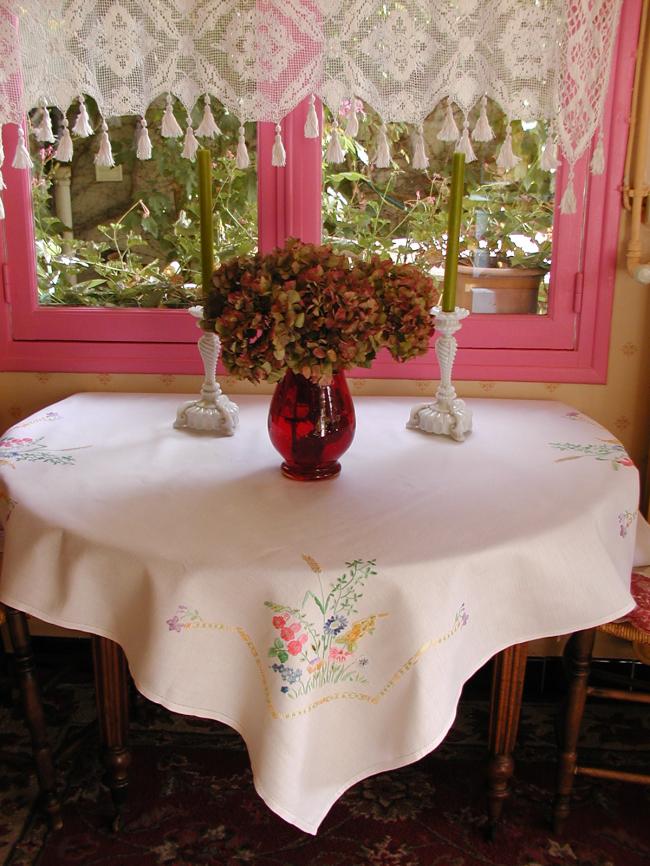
<point x="538" y="59"/>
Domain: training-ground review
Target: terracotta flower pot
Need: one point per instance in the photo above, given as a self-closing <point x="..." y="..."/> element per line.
<point x="498" y="290"/>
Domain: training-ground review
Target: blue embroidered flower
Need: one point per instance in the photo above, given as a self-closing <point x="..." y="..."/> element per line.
<point x="363" y="662"/>
<point x="284" y="689"/>
<point x="335" y="624"/>
<point x="289" y="675"/>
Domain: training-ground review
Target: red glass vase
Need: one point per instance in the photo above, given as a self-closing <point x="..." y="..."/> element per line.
<point x="311" y="425"/>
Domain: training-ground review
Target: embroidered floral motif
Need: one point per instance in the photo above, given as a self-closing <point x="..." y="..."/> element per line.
<point x="312" y="665"/>
<point x="15" y="450"/>
<point x="625" y="520"/>
<point x="183" y="618"/>
<point x="48" y="416"/>
<point x="607" y="449"/>
<point x="322" y="645"/>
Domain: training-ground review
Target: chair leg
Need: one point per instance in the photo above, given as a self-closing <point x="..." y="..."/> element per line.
<point x="578" y="656"/>
<point x="111" y="685"/>
<point x="34" y="716"/>
<point x="505" y="708"/>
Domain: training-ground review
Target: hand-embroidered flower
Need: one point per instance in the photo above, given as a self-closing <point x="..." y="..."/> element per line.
<point x="289" y="675"/>
<point x="295" y="646"/>
<point x="289" y="632"/>
<point x="174" y="623"/>
<point x="16" y="449"/>
<point x="311" y="646"/>
<point x="335" y="624"/>
<point x="625" y="520"/>
<point x="13" y="441"/>
<point x="338" y="655"/>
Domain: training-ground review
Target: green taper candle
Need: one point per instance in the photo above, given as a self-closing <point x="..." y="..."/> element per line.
<point x="204" y="159"/>
<point x="453" y="233"/>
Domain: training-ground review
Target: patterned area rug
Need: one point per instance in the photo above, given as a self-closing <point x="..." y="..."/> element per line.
<point x="192" y="802"/>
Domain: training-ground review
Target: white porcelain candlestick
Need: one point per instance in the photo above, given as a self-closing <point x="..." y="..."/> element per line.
<point x="213" y="412"/>
<point x="447" y="415"/>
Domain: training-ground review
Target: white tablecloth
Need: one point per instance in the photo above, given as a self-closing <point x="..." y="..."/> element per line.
<point x="332" y="624"/>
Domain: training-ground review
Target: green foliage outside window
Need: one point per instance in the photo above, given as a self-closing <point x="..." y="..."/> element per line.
<point x="149" y="255"/>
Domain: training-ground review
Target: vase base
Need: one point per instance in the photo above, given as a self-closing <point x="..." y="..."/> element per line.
<point x="315" y="473"/>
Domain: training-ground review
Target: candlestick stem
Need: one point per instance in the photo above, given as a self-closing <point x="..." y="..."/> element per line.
<point x="447" y="415"/>
<point x="213" y="412"/>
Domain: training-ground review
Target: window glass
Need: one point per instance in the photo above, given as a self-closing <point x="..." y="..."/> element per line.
<point x="506" y="232"/>
<point x="129" y="236"/>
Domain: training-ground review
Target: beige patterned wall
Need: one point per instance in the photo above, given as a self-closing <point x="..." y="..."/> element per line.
<point x="622" y="405"/>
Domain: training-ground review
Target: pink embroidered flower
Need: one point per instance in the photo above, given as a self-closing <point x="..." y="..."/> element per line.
<point x="280" y="621"/>
<point x="174" y="624"/>
<point x="338" y="655"/>
<point x="8" y="443"/>
<point x="625" y="461"/>
<point x="290" y="631"/>
<point x="295" y="646"/>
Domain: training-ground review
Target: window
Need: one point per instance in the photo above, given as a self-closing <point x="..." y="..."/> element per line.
<point x="567" y="342"/>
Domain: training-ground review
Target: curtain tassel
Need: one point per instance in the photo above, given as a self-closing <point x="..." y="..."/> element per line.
<point x="208" y="127"/>
<point x="278" y="154"/>
<point x="143" y="148"/>
<point x="568" y="203"/>
<point x="2" y="209"/>
<point x="465" y="145"/>
<point x="64" y="150"/>
<point x="43" y="132"/>
<point x="482" y="130"/>
<point x="507" y="159"/>
<point x="334" y="150"/>
<point x="382" y="157"/>
<point x="449" y="131"/>
<point x="420" y="158"/>
<point x="243" y="160"/>
<point x="598" y="158"/>
<point x="311" y="123"/>
<point x="22" y="159"/>
<point x="190" y="143"/>
<point x="82" y="126"/>
<point x="170" y="127"/>
<point x="549" y="162"/>
<point x="352" y="126"/>
<point x="104" y="156"/>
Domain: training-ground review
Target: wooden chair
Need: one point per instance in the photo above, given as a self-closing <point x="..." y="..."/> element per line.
<point x="636" y="629"/>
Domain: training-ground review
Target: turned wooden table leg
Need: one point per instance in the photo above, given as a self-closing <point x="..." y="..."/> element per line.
<point x="505" y="707"/>
<point x="111" y="684"/>
<point x="34" y="717"/>
<point x="578" y="658"/>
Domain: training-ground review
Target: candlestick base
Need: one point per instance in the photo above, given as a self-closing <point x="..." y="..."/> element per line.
<point x="447" y="415"/>
<point x="213" y="412"/>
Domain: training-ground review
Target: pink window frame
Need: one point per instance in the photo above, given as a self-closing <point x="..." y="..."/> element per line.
<point x="570" y="344"/>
